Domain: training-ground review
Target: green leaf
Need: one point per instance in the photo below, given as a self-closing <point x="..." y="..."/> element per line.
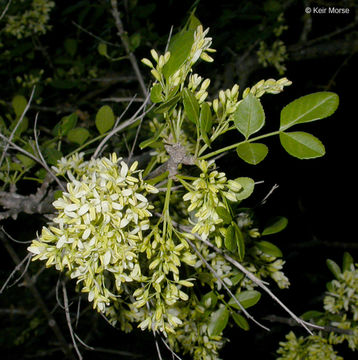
<point x="156" y="95"/>
<point x="205" y="122"/>
<point x="52" y="155"/>
<point x="209" y="300"/>
<point x="71" y="46"/>
<point x="218" y="321"/>
<point x="230" y="242"/>
<point x="311" y="315"/>
<point x="22" y="127"/>
<point x="65" y="125"/>
<point x="102" y="49"/>
<point x="78" y="135"/>
<point x="276" y="225"/>
<point x="334" y="268"/>
<point x="347" y="261"/>
<point x="105" y="119"/>
<point x="19" y="103"/>
<point x="134" y="41"/>
<point x="246" y="298"/>
<point x="240" y="321"/>
<point x="302" y="145"/>
<point x="240" y="242"/>
<point x="269" y="248"/>
<point x="193" y="22"/>
<point x="153" y="139"/>
<point x="57" y="194"/>
<point x="309" y="108"/>
<point x="249" y="116"/>
<point x="26" y="161"/>
<point x="224" y="214"/>
<point x="247" y="187"/>
<point x="167" y="105"/>
<point x="237" y="278"/>
<point x="191" y="106"/>
<point x="252" y="153"/>
<point x="179" y="47"/>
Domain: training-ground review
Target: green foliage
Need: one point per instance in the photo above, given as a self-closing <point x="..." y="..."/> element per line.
<point x="339" y="321"/>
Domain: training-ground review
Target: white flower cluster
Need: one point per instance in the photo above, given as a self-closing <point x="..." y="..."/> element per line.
<point x="99" y="227"/>
<point x="207" y="194"/>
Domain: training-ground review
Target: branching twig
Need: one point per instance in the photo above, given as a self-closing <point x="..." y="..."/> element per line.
<point x="18" y="267"/>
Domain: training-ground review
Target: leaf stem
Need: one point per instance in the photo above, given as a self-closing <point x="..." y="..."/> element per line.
<point x="233" y="146"/>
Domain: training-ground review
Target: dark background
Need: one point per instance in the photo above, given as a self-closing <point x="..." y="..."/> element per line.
<point x="317" y="196"/>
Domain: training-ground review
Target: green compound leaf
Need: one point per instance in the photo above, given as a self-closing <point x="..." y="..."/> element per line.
<point x="276" y="225"/>
<point x="247" y="187"/>
<point x="252" y="153"/>
<point x="179" y="48"/>
<point x="78" y="135"/>
<point x="302" y="145"/>
<point x="334" y="268"/>
<point x="218" y="321"/>
<point x="191" y="106"/>
<point x="105" y="119"/>
<point x="269" y="248"/>
<point x="309" y="108"/>
<point x="240" y="321"/>
<point x="19" y="103"/>
<point x="249" y="116"/>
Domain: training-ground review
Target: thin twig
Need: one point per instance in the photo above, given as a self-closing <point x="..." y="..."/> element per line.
<point x="122" y="126"/>
<point x="38" y="298"/>
<point x="132" y="58"/>
<point x="135" y="139"/>
<point x="68" y="318"/>
<point x="291" y="322"/>
<point x="17" y="125"/>
<point x="18" y="267"/>
<point x="123" y="99"/>
<point x="224" y="285"/>
<point x="169" y="348"/>
<point x="5" y="9"/>
<point x="94" y="36"/>
<point x="43" y="161"/>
